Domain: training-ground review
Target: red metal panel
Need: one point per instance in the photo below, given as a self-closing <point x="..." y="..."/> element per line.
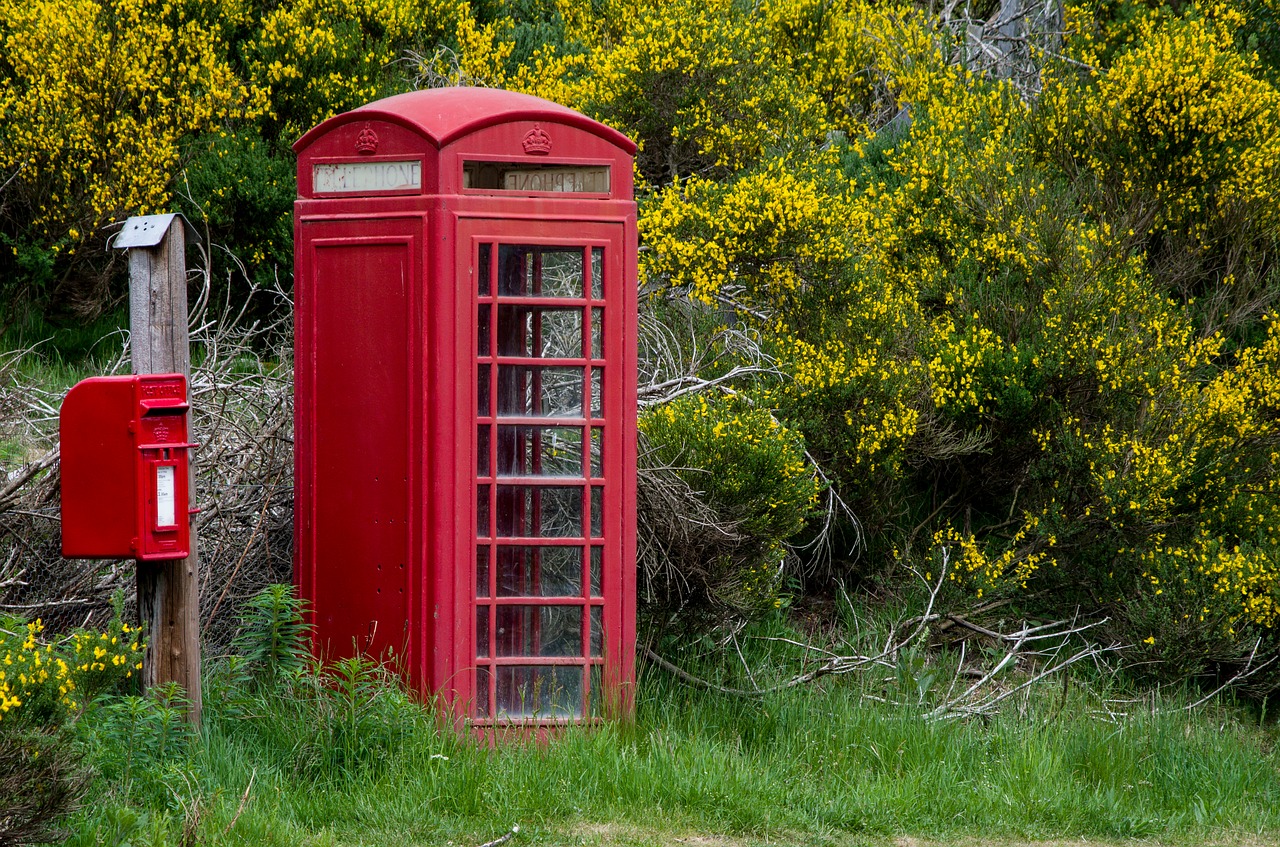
<point x="355" y="454"/>
<point x="99" y="469"/>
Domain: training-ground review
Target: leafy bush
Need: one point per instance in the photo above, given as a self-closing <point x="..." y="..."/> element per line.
<point x="43" y="685"/>
<point x="96" y="100"/>
<point x="40" y="782"/>
<point x="273" y="638"/>
<point x="751" y="474"/>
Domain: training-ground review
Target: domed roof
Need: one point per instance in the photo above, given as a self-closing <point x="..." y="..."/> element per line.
<point x="445" y="114"/>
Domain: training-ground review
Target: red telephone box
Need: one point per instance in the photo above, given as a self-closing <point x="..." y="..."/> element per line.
<point x="466" y="399"/>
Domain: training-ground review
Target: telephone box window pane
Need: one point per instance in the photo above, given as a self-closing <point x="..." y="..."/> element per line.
<point x="533" y="391"/>
<point x="554" y="451"/>
<point x="484" y="269"/>
<point x="539" y="571"/>
<point x="546" y="631"/>
<point x="482" y="571"/>
<point x="482" y="450"/>
<point x="597" y="391"/>
<point x="597" y="451"/>
<point x="482" y="391"/>
<point x="483" y="320"/>
<point x="530" y="271"/>
<point x="482" y="510"/>
<point x="546" y="692"/>
<point x="482" y="692"/>
<point x="596" y="692"/>
<point x="597" y="511"/>
<point x="482" y="632"/>
<point x="542" y="333"/>
<point x="597" y="631"/>
<point x="539" y="511"/>
<point x="597" y="333"/>
<point x="597" y="568"/>
<point x="597" y="273"/>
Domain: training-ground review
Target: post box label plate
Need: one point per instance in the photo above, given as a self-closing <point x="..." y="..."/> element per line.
<point x="166" y="510"/>
<point x="366" y="177"/>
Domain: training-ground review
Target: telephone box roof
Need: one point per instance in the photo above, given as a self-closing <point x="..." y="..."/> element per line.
<point x="443" y="115"/>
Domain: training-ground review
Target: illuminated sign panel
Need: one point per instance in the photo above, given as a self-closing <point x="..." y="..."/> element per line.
<point x="573" y="180"/>
<point x="366" y="177"/>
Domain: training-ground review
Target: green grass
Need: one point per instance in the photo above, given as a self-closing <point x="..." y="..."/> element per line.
<point x="357" y="762"/>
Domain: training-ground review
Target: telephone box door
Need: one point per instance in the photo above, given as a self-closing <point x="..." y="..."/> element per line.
<point x="552" y="420"/>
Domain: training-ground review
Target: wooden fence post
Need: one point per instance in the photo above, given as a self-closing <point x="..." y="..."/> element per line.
<point x="168" y="591"/>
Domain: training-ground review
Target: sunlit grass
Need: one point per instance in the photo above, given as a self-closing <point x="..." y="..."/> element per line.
<point x="816" y="765"/>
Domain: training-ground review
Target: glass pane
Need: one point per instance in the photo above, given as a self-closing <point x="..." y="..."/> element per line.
<point x="597" y="333"/>
<point x="484" y="269"/>
<point x="539" y="571"/>
<point x="545" y="692"/>
<point x="597" y="512"/>
<point x="597" y="451"/>
<point x="539" y="451"/>
<point x="482" y="450"/>
<point x="483" y="321"/>
<point x="541" y="333"/>
<point x="539" y="511"/>
<point x="482" y="391"/>
<point x="482" y="571"/>
<point x="597" y="566"/>
<point x="596" y="692"/>
<point x="597" y="630"/>
<point x="539" y="630"/>
<point x="530" y="271"/>
<point x="597" y="391"/>
<point x="533" y="391"/>
<point x="482" y="632"/>
<point x="597" y="273"/>
<point x="482" y="692"/>
<point x="482" y="511"/>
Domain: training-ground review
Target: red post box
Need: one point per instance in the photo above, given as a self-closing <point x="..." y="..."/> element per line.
<point x="466" y="399"/>
<point x="124" y="468"/>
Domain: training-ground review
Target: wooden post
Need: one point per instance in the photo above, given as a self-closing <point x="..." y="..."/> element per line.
<point x="168" y="592"/>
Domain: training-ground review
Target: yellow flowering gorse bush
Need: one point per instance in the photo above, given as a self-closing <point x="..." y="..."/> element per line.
<point x="44" y="679"/>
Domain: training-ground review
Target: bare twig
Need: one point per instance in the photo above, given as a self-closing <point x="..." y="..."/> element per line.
<point x="503" y="839"/>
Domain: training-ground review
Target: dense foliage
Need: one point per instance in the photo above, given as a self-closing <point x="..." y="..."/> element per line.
<point x="1017" y="298"/>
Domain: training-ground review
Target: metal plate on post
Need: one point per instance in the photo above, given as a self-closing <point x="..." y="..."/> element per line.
<point x="149" y="230"/>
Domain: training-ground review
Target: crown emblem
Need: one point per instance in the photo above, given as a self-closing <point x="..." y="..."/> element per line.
<point x="537" y="142"/>
<point x="367" y="140"/>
